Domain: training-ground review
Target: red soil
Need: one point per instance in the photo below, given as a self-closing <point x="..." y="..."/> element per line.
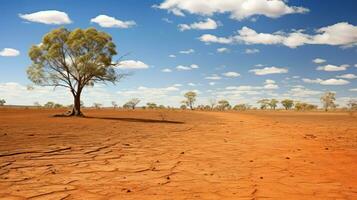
<point x="177" y="155"/>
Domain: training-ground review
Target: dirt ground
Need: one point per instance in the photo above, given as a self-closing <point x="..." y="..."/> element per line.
<point x="116" y="154"/>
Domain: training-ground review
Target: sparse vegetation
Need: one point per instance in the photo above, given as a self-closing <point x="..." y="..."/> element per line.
<point x="190" y="99"/>
<point x="223" y="105"/>
<point x="97" y="105"/>
<point x="73" y="59"/>
<point x="241" y="107"/>
<point x="151" y="105"/>
<point x="264" y="103"/>
<point x="114" y="104"/>
<point x="287" y="104"/>
<point x="301" y="106"/>
<point x="131" y="104"/>
<point x="328" y="101"/>
<point x="273" y="104"/>
<point x="2" y="102"/>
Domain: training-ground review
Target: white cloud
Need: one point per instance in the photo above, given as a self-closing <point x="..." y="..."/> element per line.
<point x="347" y="76"/>
<point x="167" y="20"/>
<point x="191" y="84"/>
<point x="212" y="83"/>
<point x="132" y="64"/>
<point x="166" y="70"/>
<point x="208" y="38"/>
<point x="334" y="82"/>
<point x="319" y="60"/>
<point x="231" y="74"/>
<point x="237" y="9"/>
<point x="213" y="77"/>
<point x="327" y="82"/>
<point x="172" y="56"/>
<point x="303" y="92"/>
<point x="111" y="22"/>
<point x="183" y="68"/>
<point x="269" y="70"/>
<point x="269" y="81"/>
<point x="177" y="85"/>
<point x="251" y="51"/>
<point x="340" y="34"/>
<point x="270" y="84"/>
<point x="189" y="51"/>
<point x="47" y="17"/>
<point x="353" y="89"/>
<point x="9" y="52"/>
<point x="194" y="66"/>
<point x="223" y="50"/>
<point x="332" y="68"/>
<point x="208" y="24"/>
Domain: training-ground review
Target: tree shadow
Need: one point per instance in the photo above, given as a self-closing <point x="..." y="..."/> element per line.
<point x="135" y="120"/>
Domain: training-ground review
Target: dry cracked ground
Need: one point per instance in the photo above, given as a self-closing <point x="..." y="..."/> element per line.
<point x="115" y="154"/>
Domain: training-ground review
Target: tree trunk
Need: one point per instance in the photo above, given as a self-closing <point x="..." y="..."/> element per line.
<point x="76" y="111"/>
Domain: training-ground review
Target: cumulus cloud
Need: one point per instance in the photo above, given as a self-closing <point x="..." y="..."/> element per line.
<point x="347" y="76"/>
<point x="303" y="92"/>
<point x="188" y="51"/>
<point x="269" y="70"/>
<point x="270" y="84"/>
<point x="238" y="10"/>
<point x="340" y="34"/>
<point x="191" y="84"/>
<point x="318" y="60"/>
<point x="47" y="17"/>
<point x="186" y="68"/>
<point x="231" y="74"/>
<point x="132" y="64"/>
<point x="9" y="52"/>
<point x="332" y="68"/>
<point x="172" y="56"/>
<point x="208" y="24"/>
<point x="223" y="50"/>
<point x="353" y="89"/>
<point x="251" y="51"/>
<point x="331" y="81"/>
<point x="111" y="22"/>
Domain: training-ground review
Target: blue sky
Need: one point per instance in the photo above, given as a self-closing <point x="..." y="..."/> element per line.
<point x="238" y="50"/>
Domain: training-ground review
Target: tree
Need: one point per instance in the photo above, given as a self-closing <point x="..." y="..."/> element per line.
<point x="2" y="102"/>
<point x="151" y="105"/>
<point x="36" y="104"/>
<point x="241" y="107"/>
<point x="97" y="105"/>
<point x="328" y="100"/>
<point x="273" y="103"/>
<point x="264" y="103"/>
<point x="183" y="107"/>
<point x="132" y="103"/>
<point x="287" y="103"/>
<point x="49" y="104"/>
<point x="223" y="105"/>
<point x="304" y="106"/>
<point x="114" y="104"/>
<point x="73" y="59"/>
<point x="190" y="99"/>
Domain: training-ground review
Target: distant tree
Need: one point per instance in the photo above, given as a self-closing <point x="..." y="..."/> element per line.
<point x="183" y="107"/>
<point x="241" y="107"/>
<point x="223" y="105"/>
<point x="190" y="99"/>
<point x="97" y="105"/>
<point x="328" y="100"/>
<point x="212" y="103"/>
<point x="264" y="103"/>
<point x="49" y="104"/>
<point x="151" y="105"/>
<point x="36" y="104"/>
<point x="132" y="103"/>
<point x="301" y="106"/>
<point x="73" y="59"/>
<point x="162" y="107"/>
<point x="287" y="103"/>
<point x="57" y="105"/>
<point x="2" y="102"/>
<point x="114" y="104"/>
<point x="273" y="103"/>
<point x="352" y="104"/>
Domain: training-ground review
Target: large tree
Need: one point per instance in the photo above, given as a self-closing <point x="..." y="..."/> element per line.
<point x="287" y="103"/>
<point x="73" y="59"/>
<point x="328" y="100"/>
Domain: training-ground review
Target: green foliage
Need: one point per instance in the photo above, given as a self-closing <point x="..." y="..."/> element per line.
<point x="300" y="106"/>
<point x="151" y="105"/>
<point x="190" y="99"/>
<point x="73" y="59"/>
<point x="183" y="107"/>
<point x="223" y="105"/>
<point x="287" y="103"/>
<point x="2" y="102"/>
<point x="241" y="107"/>
<point x="352" y="104"/>
<point x="273" y="103"/>
<point x="264" y="103"/>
